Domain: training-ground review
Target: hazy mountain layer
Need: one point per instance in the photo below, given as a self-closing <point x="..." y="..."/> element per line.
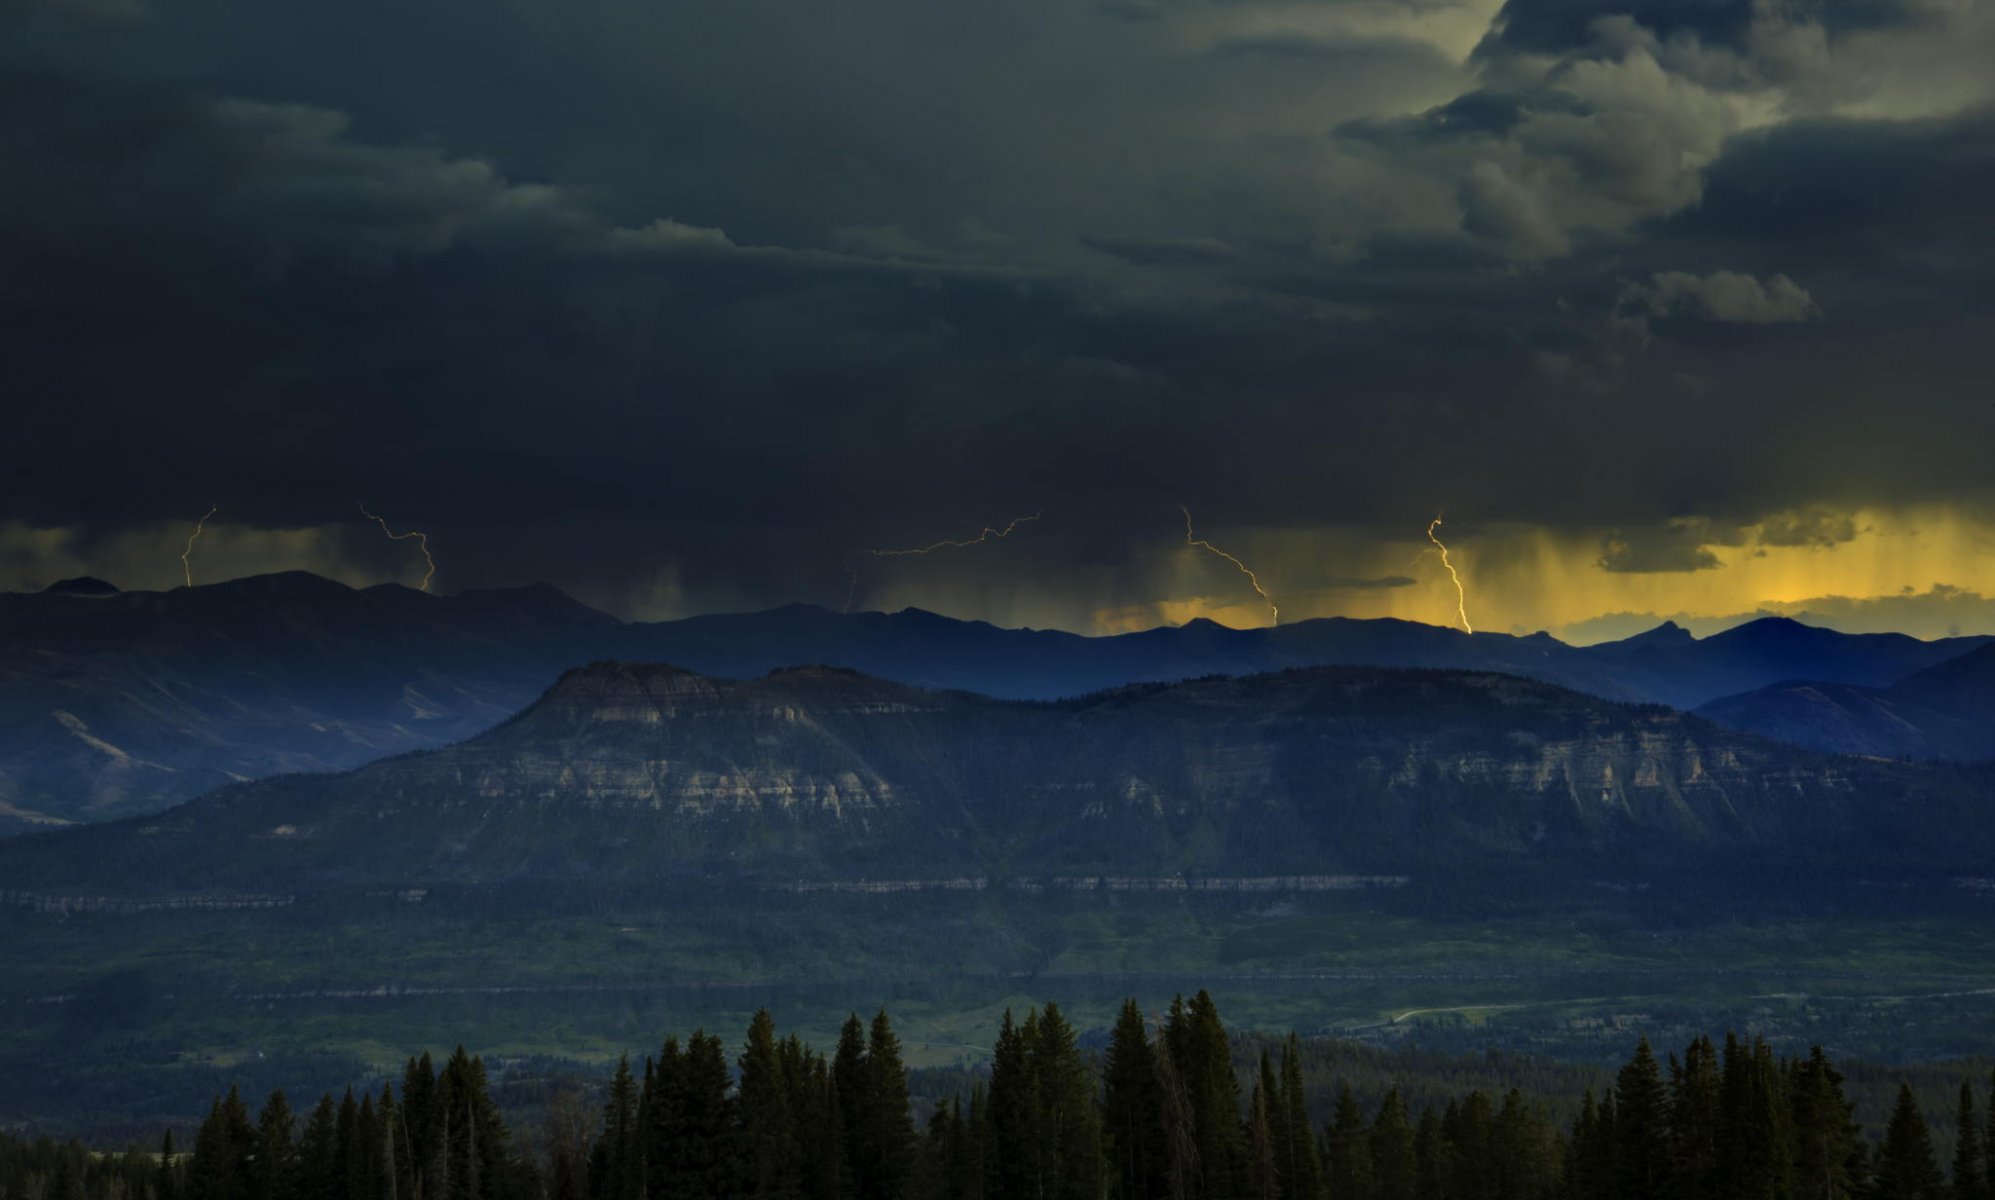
<point x="1943" y="712"/>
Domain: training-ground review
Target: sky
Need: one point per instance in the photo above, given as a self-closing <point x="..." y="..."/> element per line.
<point x="1668" y="308"/>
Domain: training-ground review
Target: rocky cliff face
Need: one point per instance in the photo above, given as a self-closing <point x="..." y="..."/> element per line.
<point x="644" y="773"/>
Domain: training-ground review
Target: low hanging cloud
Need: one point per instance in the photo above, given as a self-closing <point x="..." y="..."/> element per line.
<point x="1682" y="545"/>
<point x="1819" y="528"/>
<point x="1721" y="296"/>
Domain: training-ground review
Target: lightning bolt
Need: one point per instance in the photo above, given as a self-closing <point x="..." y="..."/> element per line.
<point x="1275" y="614"/>
<point x="186" y="568"/>
<point x="1461" y="597"/>
<point x="989" y="533"/>
<point x="422" y="542"/>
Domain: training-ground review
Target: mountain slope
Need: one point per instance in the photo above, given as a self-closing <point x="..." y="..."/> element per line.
<point x="117" y="703"/>
<point x="1945" y="712"/>
<point x="635" y="774"/>
<point x="111" y="704"/>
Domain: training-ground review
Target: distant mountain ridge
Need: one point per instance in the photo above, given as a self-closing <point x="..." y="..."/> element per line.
<point x="1946" y="711"/>
<point x="636" y="774"/>
<point x="114" y="703"/>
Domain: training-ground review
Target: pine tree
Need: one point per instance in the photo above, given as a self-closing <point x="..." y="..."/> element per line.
<point x="768" y="1125"/>
<point x="1433" y="1157"/>
<point x="1905" y="1168"/>
<point x="1297" y="1160"/>
<point x="276" y="1174"/>
<point x="318" y="1152"/>
<point x="388" y="1138"/>
<point x="890" y="1131"/>
<point x="1074" y="1164"/>
<point x="224" y="1148"/>
<point x="848" y="1086"/>
<point x="169" y="1170"/>
<point x="1132" y="1113"/>
<point x="1697" y="1099"/>
<point x="1641" y="1108"/>
<point x="1826" y="1142"/>
<point x="1970" y="1164"/>
<point x="1471" y="1127"/>
<point x="616" y="1164"/>
<point x="1348" y="1150"/>
<point x="1205" y="1064"/>
<point x="1394" y="1173"/>
<point x="1181" y="1165"/>
<point x="1015" y="1118"/>
<point x="1263" y="1180"/>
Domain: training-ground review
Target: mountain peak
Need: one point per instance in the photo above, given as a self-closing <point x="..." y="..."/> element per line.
<point x="87" y="587"/>
<point x="1669" y="633"/>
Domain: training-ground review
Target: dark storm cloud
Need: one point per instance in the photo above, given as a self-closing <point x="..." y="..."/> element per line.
<point x="747" y="288"/>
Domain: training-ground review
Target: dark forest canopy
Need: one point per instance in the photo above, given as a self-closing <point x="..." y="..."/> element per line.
<point x="1164" y="1112"/>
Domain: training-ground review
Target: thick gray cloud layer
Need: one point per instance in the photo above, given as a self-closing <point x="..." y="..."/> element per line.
<point x="601" y="285"/>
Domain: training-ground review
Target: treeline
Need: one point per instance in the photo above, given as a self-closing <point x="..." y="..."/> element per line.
<point x="1162" y="1113"/>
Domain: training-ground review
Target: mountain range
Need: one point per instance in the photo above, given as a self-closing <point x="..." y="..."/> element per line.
<point x="1945" y="711"/>
<point x="116" y="703"/>
<point x="626" y="775"/>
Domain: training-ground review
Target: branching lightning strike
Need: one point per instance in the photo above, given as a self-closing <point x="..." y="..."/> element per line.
<point x="989" y="533"/>
<point x="187" y="568"/>
<point x="1461" y="596"/>
<point x="421" y="539"/>
<point x="1275" y="613"/>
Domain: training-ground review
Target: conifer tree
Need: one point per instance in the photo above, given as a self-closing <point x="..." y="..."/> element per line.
<point x="1300" y="1166"/>
<point x="1347" y="1150"/>
<point x="169" y="1169"/>
<point x="768" y="1124"/>
<point x="1641" y="1111"/>
<point x="388" y="1139"/>
<point x="1826" y="1142"/>
<point x="890" y="1122"/>
<point x="276" y="1173"/>
<point x="1204" y="1058"/>
<point x="1132" y="1111"/>
<point x="1970" y="1164"/>
<point x="318" y="1152"/>
<point x="1433" y="1157"/>
<point x="1697" y="1097"/>
<point x="1015" y="1118"/>
<point x="1472" y="1129"/>
<point x="848" y="1086"/>
<point x="1263" y="1179"/>
<point x="1905" y="1168"/>
<point x="1394" y="1174"/>
<point x="1181" y="1169"/>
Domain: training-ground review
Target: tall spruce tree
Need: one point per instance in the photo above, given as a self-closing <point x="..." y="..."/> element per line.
<point x="890" y="1120"/>
<point x="1132" y="1110"/>
<point x="1074" y="1164"/>
<point x="1347" y="1149"/>
<point x="1263" y="1178"/>
<point x="1697" y="1095"/>
<point x="1905" y="1168"/>
<point x="768" y="1124"/>
<point x="276" y="1172"/>
<point x="1204" y="1058"/>
<point x="1297" y="1157"/>
<point x="1827" y="1144"/>
<point x="1970" y="1161"/>
<point x="1016" y="1121"/>
<point x="1641" y="1111"/>
<point x="616" y="1163"/>
<point x="1394" y="1171"/>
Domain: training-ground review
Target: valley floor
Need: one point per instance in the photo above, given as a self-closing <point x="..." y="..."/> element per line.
<point x="126" y="1020"/>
